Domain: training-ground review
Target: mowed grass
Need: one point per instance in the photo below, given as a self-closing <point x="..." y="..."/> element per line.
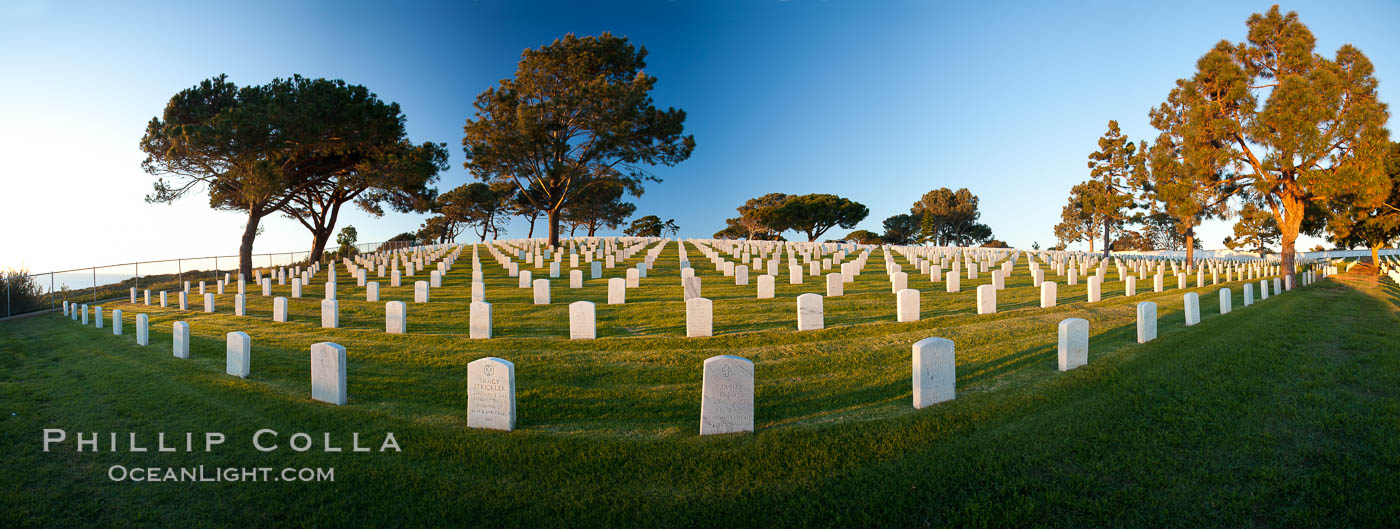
<point x="1282" y="413"/>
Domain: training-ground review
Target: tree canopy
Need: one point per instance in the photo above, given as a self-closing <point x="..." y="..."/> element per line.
<point x="1295" y="128"/>
<point x="599" y="206"/>
<point x="731" y="232"/>
<point x="1254" y="230"/>
<point x="816" y="213"/>
<point x="757" y="218"/>
<point x="398" y="241"/>
<point x="1080" y="219"/>
<point x="941" y="216"/>
<point x="252" y="148"/>
<point x="901" y="229"/>
<point x="767" y="216"/>
<point x="1119" y="169"/>
<point x="949" y="218"/>
<point x="864" y="237"/>
<point x="479" y="206"/>
<point x="374" y="166"/>
<point x="346" y="241"/>
<point x="297" y="145"/>
<point x="1352" y="224"/>
<point x="578" y="113"/>
<point x="651" y="226"/>
<point x="1179" y="186"/>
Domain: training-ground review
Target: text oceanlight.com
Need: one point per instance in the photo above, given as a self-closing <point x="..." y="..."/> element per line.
<point x="202" y="473"/>
<point x="264" y="441"/>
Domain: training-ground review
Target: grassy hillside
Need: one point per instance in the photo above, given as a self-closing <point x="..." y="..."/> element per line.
<point x="1283" y="413"/>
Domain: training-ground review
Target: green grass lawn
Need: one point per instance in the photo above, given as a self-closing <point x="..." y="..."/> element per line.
<point x="1285" y="413"/>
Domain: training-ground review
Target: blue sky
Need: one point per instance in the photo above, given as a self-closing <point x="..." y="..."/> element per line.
<point x="877" y="101"/>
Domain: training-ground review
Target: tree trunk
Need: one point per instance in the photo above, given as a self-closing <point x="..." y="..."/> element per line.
<point x="1289" y="226"/>
<point x="245" y="247"/>
<point x="533" y="216"/>
<point x="319" y="239"/>
<point x="1091" y="244"/>
<point x="1105" y="239"/>
<point x="1190" y="247"/>
<point x="554" y="227"/>
<point x="1376" y="257"/>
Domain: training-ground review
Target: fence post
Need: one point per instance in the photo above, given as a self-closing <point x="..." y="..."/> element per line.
<point x="53" y="301"/>
<point x="180" y="273"/>
<point x="138" y="275"/>
<point x="94" y="284"/>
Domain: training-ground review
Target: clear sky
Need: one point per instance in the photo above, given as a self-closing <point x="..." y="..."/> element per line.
<point x="877" y="101"/>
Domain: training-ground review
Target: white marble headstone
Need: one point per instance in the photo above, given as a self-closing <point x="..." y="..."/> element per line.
<point x="726" y="401"/>
<point x="143" y="329"/>
<point x="986" y="299"/>
<point x="480" y="320"/>
<point x="1192" y="303"/>
<point x="239" y="346"/>
<point x="395" y="317"/>
<point x="617" y="291"/>
<point x="279" y="309"/>
<point x="699" y="317"/>
<point x="1049" y="294"/>
<point x="1146" y="321"/>
<point x="541" y="291"/>
<point x="690" y="288"/>
<point x="420" y="291"/>
<point x="765" y="286"/>
<point x="935" y="371"/>
<point x="180" y="339"/>
<point x="330" y="313"/>
<point x="809" y="312"/>
<point x="1074" y="343"/>
<point x="582" y="320"/>
<point x="328" y="372"/>
<point x="491" y="394"/>
<point x="907" y="305"/>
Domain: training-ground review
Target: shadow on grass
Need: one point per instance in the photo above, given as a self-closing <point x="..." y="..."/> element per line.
<point x="1391" y="291"/>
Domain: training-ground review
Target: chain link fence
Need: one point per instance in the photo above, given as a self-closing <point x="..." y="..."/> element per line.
<point x="28" y="293"/>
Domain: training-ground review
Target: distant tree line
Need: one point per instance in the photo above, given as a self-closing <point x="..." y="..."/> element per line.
<point x="768" y="216"/>
<point x="941" y="217"/>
